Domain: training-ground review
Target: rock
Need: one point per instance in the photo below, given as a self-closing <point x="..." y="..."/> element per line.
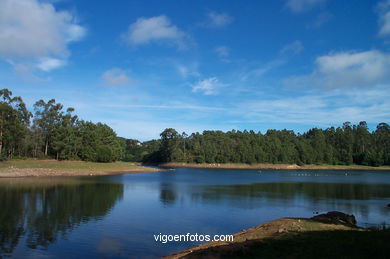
<point x="336" y="217"/>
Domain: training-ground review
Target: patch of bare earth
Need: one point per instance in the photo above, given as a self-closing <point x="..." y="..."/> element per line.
<point x="271" y="230"/>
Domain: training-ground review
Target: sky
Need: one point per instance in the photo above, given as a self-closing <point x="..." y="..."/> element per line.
<point x="143" y="66"/>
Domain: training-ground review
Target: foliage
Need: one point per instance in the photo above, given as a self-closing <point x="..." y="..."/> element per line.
<point x="53" y="133"/>
<point x="349" y="144"/>
<point x="58" y="133"/>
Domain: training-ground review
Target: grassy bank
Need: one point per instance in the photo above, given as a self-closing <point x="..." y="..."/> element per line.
<point x="30" y="167"/>
<point x="297" y="238"/>
<point x="275" y="166"/>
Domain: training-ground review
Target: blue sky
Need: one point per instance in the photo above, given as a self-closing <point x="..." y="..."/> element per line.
<point x="143" y="66"/>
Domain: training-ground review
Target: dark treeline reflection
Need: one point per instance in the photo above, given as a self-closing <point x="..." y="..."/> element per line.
<point x="311" y="190"/>
<point x="168" y="193"/>
<point x="347" y="196"/>
<point x="41" y="212"/>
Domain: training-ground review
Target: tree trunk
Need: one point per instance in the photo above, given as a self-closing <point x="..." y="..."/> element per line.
<point x="1" y="141"/>
<point x="46" y="146"/>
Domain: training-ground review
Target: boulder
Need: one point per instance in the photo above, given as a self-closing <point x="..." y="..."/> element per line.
<point x="336" y="217"/>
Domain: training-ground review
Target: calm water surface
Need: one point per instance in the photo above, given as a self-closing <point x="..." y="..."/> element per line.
<point x="117" y="216"/>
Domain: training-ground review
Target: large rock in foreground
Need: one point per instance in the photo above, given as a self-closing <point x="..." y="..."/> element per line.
<point x="336" y="217"/>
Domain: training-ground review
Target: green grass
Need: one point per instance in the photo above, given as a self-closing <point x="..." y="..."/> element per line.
<point x="65" y="165"/>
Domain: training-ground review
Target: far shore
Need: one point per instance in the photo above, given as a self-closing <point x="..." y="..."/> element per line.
<point x="272" y="166"/>
<point x="48" y="168"/>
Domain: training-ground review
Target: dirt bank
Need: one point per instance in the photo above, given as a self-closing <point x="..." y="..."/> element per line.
<point x="320" y="237"/>
<point x="273" y="166"/>
<point x="45" y="168"/>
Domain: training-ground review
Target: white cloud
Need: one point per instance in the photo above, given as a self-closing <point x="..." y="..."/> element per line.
<point x="222" y="51"/>
<point x="262" y="69"/>
<point x="370" y="105"/>
<point x="217" y="20"/>
<point x="300" y="6"/>
<point x="31" y="31"/>
<point x="292" y="48"/>
<point x="158" y="28"/>
<point x="348" y="69"/>
<point x="384" y="18"/>
<point x="186" y="71"/>
<point x="115" y="76"/>
<point x="321" y="19"/>
<point x="47" y="64"/>
<point x="207" y="86"/>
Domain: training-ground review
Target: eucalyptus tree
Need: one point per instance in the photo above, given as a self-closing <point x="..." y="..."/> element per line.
<point x="46" y="117"/>
<point x="14" y="122"/>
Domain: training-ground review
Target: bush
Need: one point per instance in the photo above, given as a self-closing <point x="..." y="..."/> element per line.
<point x="104" y="154"/>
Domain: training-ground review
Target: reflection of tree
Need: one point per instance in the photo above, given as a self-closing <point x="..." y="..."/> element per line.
<point x="43" y="213"/>
<point x="289" y="190"/>
<point x="167" y="193"/>
<point x="339" y="196"/>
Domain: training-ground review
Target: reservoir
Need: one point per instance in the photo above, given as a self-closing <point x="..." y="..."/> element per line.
<point x="117" y="216"/>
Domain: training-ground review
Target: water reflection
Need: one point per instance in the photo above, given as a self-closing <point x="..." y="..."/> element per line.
<point x="305" y="196"/>
<point x="41" y="211"/>
<point x="312" y="190"/>
<point x="168" y="193"/>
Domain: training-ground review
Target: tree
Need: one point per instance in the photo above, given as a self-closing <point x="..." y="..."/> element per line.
<point x="14" y="120"/>
<point x="46" y="116"/>
<point x="169" y="144"/>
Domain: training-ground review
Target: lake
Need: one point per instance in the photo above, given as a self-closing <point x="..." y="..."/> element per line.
<point x="117" y="216"/>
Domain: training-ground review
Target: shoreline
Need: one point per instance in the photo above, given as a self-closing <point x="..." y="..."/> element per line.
<point x="53" y="168"/>
<point x="42" y="172"/>
<point x="271" y="166"/>
<point x="313" y="237"/>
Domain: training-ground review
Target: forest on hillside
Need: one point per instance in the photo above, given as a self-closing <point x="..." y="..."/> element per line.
<point x="345" y="145"/>
<point x="50" y="131"/>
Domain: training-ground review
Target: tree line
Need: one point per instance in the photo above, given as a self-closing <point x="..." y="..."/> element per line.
<point x="52" y="132"/>
<point x="345" y="145"/>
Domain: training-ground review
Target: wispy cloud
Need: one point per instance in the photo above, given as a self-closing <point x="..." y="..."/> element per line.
<point x="347" y="69"/>
<point x="115" y="76"/>
<point x="208" y="86"/>
<point x="218" y="20"/>
<point x="300" y="6"/>
<point x="222" y="51"/>
<point x="154" y="29"/>
<point x="166" y="107"/>
<point x="189" y="70"/>
<point x="47" y="64"/>
<point x="39" y="39"/>
<point x="320" y="20"/>
<point x="320" y="108"/>
<point x="384" y="18"/>
<point x="292" y="48"/>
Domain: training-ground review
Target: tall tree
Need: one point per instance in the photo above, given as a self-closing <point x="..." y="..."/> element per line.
<point x="14" y="120"/>
<point x="46" y="116"/>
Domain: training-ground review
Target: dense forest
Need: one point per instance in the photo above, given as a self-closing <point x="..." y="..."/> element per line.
<point x="349" y="144"/>
<point x="52" y="132"/>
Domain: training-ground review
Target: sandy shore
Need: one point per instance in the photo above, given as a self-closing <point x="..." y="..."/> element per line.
<point x="48" y="168"/>
<point x="274" y="166"/>
<point x="44" y="172"/>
